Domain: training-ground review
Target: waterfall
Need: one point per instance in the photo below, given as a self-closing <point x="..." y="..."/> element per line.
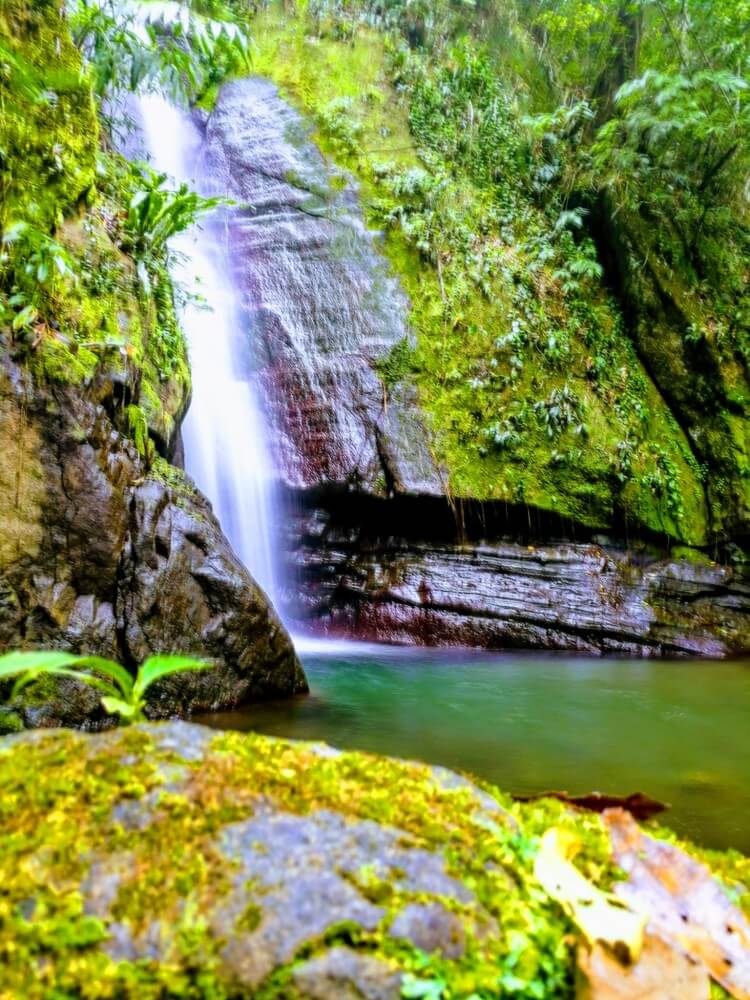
<point x="223" y="432"/>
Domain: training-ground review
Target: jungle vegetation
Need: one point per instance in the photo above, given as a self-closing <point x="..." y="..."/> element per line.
<point x="562" y="188"/>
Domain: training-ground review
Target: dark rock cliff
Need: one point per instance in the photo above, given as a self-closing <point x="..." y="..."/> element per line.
<point x="394" y="572"/>
<point x="319" y="300"/>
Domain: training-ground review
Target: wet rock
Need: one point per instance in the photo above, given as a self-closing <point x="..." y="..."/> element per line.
<point x="182" y="588"/>
<point x="363" y="579"/>
<point x="319" y="299"/>
<point x="101" y="555"/>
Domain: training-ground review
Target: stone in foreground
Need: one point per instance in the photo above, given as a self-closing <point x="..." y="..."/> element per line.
<point x="172" y="861"/>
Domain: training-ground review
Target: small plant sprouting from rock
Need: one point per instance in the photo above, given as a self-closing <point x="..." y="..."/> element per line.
<point x="121" y="693"/>
<point x="156" y="214"/>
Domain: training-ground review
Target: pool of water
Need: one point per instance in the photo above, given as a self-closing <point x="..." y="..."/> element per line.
<point x="677" y="731"/>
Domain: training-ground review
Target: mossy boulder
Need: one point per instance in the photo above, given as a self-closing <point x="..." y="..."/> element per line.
<point x="63" y="196"/>
<point x="173" y="861"/>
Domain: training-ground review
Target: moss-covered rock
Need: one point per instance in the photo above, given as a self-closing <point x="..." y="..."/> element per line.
<point x="170" y="861"/>
<point x="62" y="198"/>
<point x="528" y="381"/>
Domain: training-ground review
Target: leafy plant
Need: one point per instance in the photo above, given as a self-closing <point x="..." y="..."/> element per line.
<point x="164" y="46"/>
<point x="503" y="434"/>
<point x="43" y="255"/>
<point x="415" y="988"/>
<point x="121" y="694"/>
<point x="156" y="213"/>
<point x="34" y="266"/>
<point x="561" y="410"/>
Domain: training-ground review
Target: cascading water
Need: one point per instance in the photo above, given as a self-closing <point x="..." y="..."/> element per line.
<point x="225" y="450"/>
<point x="296" y="264"/>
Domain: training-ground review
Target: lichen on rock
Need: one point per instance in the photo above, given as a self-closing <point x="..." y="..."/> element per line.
<point x="169" y="860"/>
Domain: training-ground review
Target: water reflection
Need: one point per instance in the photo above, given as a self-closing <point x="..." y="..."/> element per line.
<point x="678" y="731"/>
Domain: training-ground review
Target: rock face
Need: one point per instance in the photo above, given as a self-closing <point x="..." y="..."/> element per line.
<point x="372" y="540"/>
<point x="101" y="555"/>
<point x="319" y="300"/>
<point x="359" y="576"/>
<point x="171" y="860"/>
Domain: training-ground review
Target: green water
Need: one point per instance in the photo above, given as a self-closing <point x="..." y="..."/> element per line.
<point x="678" y="731"/>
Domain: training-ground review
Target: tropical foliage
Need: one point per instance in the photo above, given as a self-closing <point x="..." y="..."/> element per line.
<point x="121" y="694"/>
<point x="166" y="46"/>
<point x="155" y="213"/>
<point x="567" y="208"/>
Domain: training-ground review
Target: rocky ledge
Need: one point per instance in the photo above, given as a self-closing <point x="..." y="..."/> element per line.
<point x="171" y="860"/>
<point x="390" y="570"/>
<point x="372" y="527"/>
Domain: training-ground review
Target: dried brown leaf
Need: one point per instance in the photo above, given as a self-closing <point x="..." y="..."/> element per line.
<point x="642" y="806"/>
<point x="661" y="973"/>
<point x="686" y="906"/>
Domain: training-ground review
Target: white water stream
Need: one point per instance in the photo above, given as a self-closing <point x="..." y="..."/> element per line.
<point x="225" y="448"/>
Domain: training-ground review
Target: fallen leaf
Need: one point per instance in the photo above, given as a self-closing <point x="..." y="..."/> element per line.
<point x="641" y="806"/>
<point x="661" y="973"/>
<point x="685" y="904"/>
<point x="600" y="916"/>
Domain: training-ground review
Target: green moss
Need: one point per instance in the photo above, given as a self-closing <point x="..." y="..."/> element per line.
<point x="48" y="143"/>
<point x="693" y="556"/>
<point x="496" y="333"/>
<point x="167" y="872"/>
<point x="10" y="722"/>
<point x="93" y="321"/>
<point x="250" y="919"/>
<point x="138" y="428"/>
<point x="183" y="488"/>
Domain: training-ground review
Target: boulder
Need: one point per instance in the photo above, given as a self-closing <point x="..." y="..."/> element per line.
<point x="104" y="552"/>
<point x="171" y="860"/>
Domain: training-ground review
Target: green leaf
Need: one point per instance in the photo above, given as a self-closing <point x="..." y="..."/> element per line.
<point x="138" y="198"/>
<point x="33" y="663"/>
<point x="30" y="676"/>
<point x="116" y="706"/>
<point x="156" y="667"/>
<point x="63" y="268"/>
<point x="14" y="232"/>
<point x="25" y="318"/>
<point x="37" y="660"/>
<point x="113" y="670"/>
<point x="422" y="989"/>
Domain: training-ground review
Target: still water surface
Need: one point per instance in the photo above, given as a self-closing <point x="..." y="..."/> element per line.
<point x="678" y="731"/>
